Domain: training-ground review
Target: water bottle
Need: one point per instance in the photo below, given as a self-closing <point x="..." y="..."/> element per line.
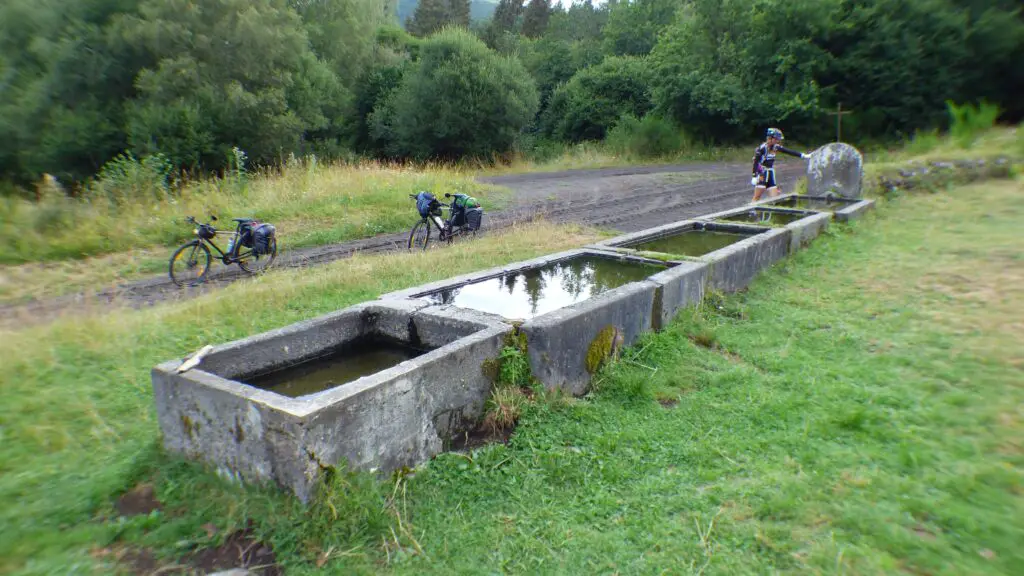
<point x="231" y="244"/>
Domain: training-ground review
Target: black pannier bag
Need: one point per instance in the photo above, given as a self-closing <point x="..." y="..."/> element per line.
<point x="246" y="233"/>
<point x="474" y="217"/>
<point x="262" y="236"/>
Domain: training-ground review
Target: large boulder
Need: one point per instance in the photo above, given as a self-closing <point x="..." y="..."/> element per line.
<point x="836" y="169"/>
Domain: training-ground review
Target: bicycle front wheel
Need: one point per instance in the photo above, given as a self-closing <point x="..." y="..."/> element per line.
<point x="189" y="264"/>
<point x="419" y="236"/>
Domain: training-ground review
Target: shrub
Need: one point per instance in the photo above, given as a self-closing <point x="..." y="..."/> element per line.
<point x="127" y="178"/>
<point x="459" y="99"/>
<point x="967" y="122"/>
<point x="649" y="137"/>
<point x="593" y="100"/>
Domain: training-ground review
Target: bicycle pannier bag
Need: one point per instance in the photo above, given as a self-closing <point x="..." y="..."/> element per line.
<point x="474" y="217"/>
<point x="261" y="239"/>
<point x="246" y="233"/>
<point x="424" y="200"/>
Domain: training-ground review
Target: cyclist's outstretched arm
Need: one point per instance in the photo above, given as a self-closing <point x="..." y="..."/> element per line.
<point x="785" y="150"/>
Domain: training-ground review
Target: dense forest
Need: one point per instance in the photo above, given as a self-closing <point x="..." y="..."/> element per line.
<point x="199" y="84"/>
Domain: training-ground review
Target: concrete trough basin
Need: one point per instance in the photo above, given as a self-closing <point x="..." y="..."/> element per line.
<point x="418" y="382"/>
<point x="843" y="209"/>
<point x="575" y="307"/>
<point x="730" y="267"/>
<point x="805" y="225"/>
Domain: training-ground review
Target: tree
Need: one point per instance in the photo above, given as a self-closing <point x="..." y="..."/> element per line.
<point x="458" y="11"/>
<point x="430" y="16"/>
<point x="225" y="75"/>
<point x="535" y="18"/>
<point x="504" y="22"/>
<point x="595" y="98"/>
<point x="633" y="26"/>
<point x="458" y="99"/>
<point x="63" y="83"/>
<point x="727" y="68"/>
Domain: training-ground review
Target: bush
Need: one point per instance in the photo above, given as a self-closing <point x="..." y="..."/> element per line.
<point x="968" y="122"/>
<point x="459" y="99"/>
<point x="127" y="178"/>
<point x="594" y="99"/>
<point x="650" y="137"/>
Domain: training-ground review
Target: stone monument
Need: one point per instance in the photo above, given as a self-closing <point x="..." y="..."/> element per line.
<point x="836" y="169"/>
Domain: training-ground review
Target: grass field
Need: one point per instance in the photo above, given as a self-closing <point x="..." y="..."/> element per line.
<point x="76" y="414"/>
<point x="311" y="203"/>
<point x="859" y="410"/>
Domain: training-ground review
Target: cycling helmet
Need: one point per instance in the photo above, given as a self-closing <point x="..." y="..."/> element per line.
<point x="775" y="133"/>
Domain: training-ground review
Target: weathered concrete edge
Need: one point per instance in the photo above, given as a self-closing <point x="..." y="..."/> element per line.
<point x="735" y="266"/>
<point x="805" y="230"/>
<point x="854" y="211"/>
<point x="558" y="342"/>
<point x="678" y="288"/>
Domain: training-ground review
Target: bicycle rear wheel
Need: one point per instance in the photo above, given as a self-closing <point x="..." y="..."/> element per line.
<point x="419" y="236"/>
<point x="256" y="264"/>
<point x="189" y="264"/>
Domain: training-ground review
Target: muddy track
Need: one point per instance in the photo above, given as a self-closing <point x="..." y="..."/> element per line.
<point x="624" y="199"/>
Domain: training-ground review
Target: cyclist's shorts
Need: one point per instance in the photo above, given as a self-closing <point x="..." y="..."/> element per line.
<point x="767" y="178"/>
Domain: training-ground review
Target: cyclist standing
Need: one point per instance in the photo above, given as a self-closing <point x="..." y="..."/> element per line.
<point x="763" y="176"/>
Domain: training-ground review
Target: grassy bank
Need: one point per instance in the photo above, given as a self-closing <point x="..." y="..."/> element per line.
<point x="311" y="203"/>
<point x="858" y="410"/>
<point x="76" y="415"/>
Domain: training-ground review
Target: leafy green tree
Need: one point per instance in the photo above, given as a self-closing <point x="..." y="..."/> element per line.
<point x="550" y="62"/>
<point x="633" y="26"/>
<point x="458" y="99"/>
<point x="595" y="98"/>
<point x="62" y="86"/>
<point x="225" y="74"/>
<point x="342" y="33"/>
<point x="581" y="21"/>
<point x="727" y="68"/>
<point x="911" y="88"/>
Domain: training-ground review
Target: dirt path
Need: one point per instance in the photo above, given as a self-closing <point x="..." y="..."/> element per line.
<point x="624" y="199"/>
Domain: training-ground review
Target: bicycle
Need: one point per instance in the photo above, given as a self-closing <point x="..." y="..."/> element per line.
<point x="240" y="250"/>
<point x="447" y="228"/>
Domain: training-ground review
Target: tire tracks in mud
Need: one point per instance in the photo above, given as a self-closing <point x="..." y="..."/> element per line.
<point x="624" y="199"/>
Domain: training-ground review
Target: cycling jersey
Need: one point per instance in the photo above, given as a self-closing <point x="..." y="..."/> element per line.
<point x="764" y="156"/>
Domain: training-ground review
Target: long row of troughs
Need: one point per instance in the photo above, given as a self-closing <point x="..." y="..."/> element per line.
<point x="387" y="384"/>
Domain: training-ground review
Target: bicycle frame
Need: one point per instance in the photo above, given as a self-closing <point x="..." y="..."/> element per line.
<point x="232" y="257"/>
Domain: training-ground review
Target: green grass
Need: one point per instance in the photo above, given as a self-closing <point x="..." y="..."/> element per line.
<point x="857" y="411"/>
<point x="311" y="204"/>
<point x="77" y="423"/>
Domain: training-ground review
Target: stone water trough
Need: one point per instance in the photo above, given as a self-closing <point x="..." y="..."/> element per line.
<point x="390" y="383"/>
<point x="730" y="254"/>
<point x="804" y="225"/>
<point x="841" y="209"/>
<point x="380" y="385"/>
<point x="574" y="307"/>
